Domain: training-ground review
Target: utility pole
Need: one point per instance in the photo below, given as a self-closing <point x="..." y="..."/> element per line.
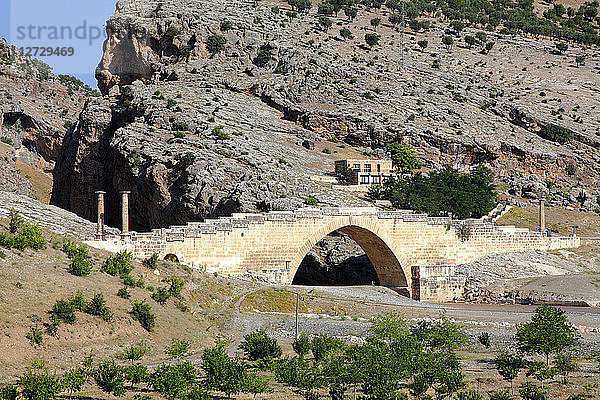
<point x="297" y="303"/>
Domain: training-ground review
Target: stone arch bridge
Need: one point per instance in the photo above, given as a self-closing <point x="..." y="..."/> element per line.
<point x="411" y="253"/>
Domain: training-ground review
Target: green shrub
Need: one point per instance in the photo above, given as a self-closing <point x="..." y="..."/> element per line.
<point x="128" y="280"/>
<point x="174" y="381"/>
<point x="529" y="391"/>
<point x="123" y="293"/>
<point x="16" y="221"/>
<point x="74" y="379"/>
<point x="80" y="265"/>
<point x="225" y="26"/>
<point x="215" y="44"/>
<point x="119" y="264"/>
<point x="142" y="312"/>
<point x="323" y="345"/>
<point x="500" y="395"/>
<point x="263" y="57"/>
<point x="556" y="133"/>
<point x="8" y="392"/>
<point x="35" y="336"/>
<point x="181" y="126"/>
<point x="39" y="384"/>
<point x="301" y="345"/>
<point x="110" y="378"/>
<point x="222" y="372"/>
<point x="484" y="339"/>
<point x="69" y="247"/>
<point x="133" y="352"/>
<point x="171" y="103"/>
<point x="30" y="236"/>
<point x="311" y="201"/>
<point x="176" y="286"/>
<point x="151" y="262"/>
<point x="63" y="311"/>
<point x="98" y="307"/>
<point x="78" y="301"/>
<point x="136" y="373"/>
<point x="178" y="348"/>
<point x="258" y="345"/>
<point x="161" y="295"/>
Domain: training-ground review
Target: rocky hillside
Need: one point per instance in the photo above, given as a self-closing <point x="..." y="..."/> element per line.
<point x="176" y="72"/>
<point x="36" y="108"/>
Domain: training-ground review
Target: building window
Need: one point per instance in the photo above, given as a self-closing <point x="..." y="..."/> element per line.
<point x="378" y="167"/>
<point x="368" y="168"/>
<point x="356" y="167"/>
<point x="364" y="179"/>
<point x="376" y="179"/>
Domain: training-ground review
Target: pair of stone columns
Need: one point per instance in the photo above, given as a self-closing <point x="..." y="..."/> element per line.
<point x="124" y="214"/>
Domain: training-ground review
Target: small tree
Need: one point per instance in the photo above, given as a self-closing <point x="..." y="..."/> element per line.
<point x="173" y="381"/>
<point x="564" y="363"/>
<point x="540" y="371"/>
<point x="375" y="22"/>
<point x="178" y="348"/>
<point x="580" y="60"/>
<point x="142" y="312"/>
<point x="325" y="22"/>
<point x="488" y="47"/>
<point x="16" y="221"/>
<point x="484" y="339"/>
<point x="509" y="365"/>
<point x="110" y="378"/>
<point x="223" y="373"/>
<point x="134" y="352"/>
<point x="448" y="41"/>
<point x="423" y="44"/>
<point x="301" y="345"/>
<point x="258" y="345"/>
<point x="562" y="47"/>
<point x="481" y="36"/>
<point x="529" y="391"/>
<point x="152" y="262"/>
<point x="371" y="39"/>
<point x="548" y="332"/>
<point x="469" y="40"/>
<point x="255" y="384"/>
<point x="403" y="157"/>
<point x="73" y="380"/>
<point x="351" y="12"/>
<point x="39" y="384"/>
<point x="215" y="44"/>
<point x="345" y="33"/>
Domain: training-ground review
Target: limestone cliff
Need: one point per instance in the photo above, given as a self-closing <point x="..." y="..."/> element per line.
<point x="280" y="80"/>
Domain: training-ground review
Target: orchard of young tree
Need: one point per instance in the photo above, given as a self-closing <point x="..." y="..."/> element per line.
<point x="399" y="359"/>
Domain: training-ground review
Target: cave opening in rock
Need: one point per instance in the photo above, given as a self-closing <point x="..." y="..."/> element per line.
<point x="336" y="260"/>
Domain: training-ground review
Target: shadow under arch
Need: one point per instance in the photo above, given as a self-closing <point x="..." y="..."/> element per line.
<point x="171" y="257"/>
<point x="387" y="266"/>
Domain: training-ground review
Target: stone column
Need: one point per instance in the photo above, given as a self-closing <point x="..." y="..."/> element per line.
<point x="125" y="212"/>
<point x="100" y="230"/>
<point x="542" y="217"/>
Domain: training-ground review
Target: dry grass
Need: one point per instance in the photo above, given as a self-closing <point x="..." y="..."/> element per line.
<point x="560" y="219"/>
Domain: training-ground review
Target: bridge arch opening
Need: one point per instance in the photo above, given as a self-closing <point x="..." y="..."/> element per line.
<point x="171" y="257"/>
<point x="370" y="261"/>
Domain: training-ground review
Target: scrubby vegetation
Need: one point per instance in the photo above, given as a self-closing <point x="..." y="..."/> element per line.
<point x="397" y="360"/>
<point x="21" y="235"/>
<point x="470" y="195"/>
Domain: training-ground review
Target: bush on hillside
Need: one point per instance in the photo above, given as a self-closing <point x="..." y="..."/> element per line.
<point x="142" y="312"/>
<point x="119" y="264"/>
<point x="258" y="345"/>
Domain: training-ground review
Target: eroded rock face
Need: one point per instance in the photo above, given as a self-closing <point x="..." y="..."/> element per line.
<point x="306" y="84"/>
<point x="36" y="108"/>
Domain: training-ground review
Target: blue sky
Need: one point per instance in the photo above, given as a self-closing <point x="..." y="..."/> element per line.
<point x="65" y="26"/>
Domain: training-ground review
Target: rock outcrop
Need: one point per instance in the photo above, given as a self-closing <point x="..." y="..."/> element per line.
<point x="279" y="81"/>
